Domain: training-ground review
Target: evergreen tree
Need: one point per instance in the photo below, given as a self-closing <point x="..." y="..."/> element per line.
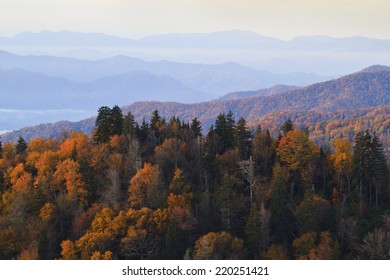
<point x="263" y="151"/>
<point x="116" y="120"/>
<point x="380" y="178"/>
<point x="1" y="173"/>
<point x="129" y="124"/>
<point x="252" y="231"/>
<point x="21" y="146"/>
<point x="196" y="128"/>
<point x="230" y="124"/>
<point x="103" y="125"/>
<point x="242" y="137"/>
<point x="142" y="131"/>
<point x="287" y="126"/>
<point x="358" y="161"/>
<point x="224" y="128"/>
<point x="176" y="241"/>
<point x="1" y="149"/>
<point x="257" y="230"/>
<point x="155" y="120"/>
<point x="282" y="222"/>
<point x="369" y="168"/>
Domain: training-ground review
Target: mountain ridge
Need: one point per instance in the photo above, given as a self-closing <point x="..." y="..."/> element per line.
<point x="357" y="91"/>
<point x="216" y="79"/>
<point x="220" y="39"/>
<point x="31" y="88"/>
<point x="277" y="89"/>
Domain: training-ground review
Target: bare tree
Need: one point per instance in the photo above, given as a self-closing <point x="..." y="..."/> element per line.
<point x="247" y="168"/>
<point x="113" y="191"/>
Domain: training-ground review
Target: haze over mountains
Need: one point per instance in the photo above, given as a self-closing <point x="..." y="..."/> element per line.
<point x="214" y="79"/>
<point x="235" y="39"/>
<point x="53" y="83"/>
<point x="46" y="87"/>
<point x="363" y="91"/>
<point x="324" y="55"/>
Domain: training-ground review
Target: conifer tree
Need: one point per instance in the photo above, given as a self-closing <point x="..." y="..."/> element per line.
<point x="155" y="120"/>
<point x="380" y="178"/>
<point x="116" y="120"/>
<point x="287" y="126"/>
<point x="369" y="168"/>
<point x="196" y="127"/>
<point x="242" y="138"/>
<point x="282" y="220"/>
<point x="1" y="149"/>
<point x="103" y="125"/>
<point x="129" y="124"/>
<point x="21" y="146"/>
<point x="257" y="229"/>
<point x="224" y="128"/>
<point x="142" y="131"/>
<point x="263" y="151"/>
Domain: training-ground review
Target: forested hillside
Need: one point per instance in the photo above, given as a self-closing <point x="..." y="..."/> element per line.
<point x="278" y="89"/>
<point x="356" y="91"/>
<point x="325" y="127"/>
<point x="165" y="189"/>
<point x="337" y="108"/>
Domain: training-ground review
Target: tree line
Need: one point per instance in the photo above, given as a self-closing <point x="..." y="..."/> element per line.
<point x="165" y="189"/>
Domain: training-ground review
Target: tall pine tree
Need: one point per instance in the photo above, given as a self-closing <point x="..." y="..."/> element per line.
<point x="116" y="121"/>
<point x="103" y="125"/>
<point x="21" y="146"/>
<point x="242" y="138"/>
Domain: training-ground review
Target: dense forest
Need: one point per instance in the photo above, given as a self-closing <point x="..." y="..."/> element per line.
<point x="165" y="189"/>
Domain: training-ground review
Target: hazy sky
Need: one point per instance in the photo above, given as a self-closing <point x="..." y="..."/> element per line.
<point x="136" y="18"/>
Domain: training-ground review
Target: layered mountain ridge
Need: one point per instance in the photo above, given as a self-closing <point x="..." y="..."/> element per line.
<point x="359" y="97"/>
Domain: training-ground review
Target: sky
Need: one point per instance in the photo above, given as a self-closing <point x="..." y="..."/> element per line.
<point x="283" y="19"/>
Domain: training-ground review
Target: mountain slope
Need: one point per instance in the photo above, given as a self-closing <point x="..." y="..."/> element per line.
<point x="278" y="89"/>
<point x="358" y="91"/>
<point x="376" y="68"/>
<point x="322" y="127"/>
<point x="355" y="91"/>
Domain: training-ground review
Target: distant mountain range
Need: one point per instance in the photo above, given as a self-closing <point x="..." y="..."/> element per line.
<point x="20" y="89"/>
<point x="234" y="39"/>
<point x="209" y="78"/>
<point x="54" y="83"/>
<point x="363" y="91"/>
<point x="323" y="55"/>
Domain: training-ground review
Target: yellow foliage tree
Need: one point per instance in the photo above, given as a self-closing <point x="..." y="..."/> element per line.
<point x="107" y="255"/>
<point x="342" y="156"/>
<point x="314" y="246"/>
<point x="218" y="246"/>
<point x="47" y="212"/>
<point x="78" y="144"/>
<point x="68" y="175"/>
<point x="295" y="149"/>
<point x="145" y="189"/>
<point x="22" y="181"/>
<point x="69" y="251"/>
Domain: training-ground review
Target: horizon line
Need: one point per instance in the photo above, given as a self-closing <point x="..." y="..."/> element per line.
<point x="121" y="36"/>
